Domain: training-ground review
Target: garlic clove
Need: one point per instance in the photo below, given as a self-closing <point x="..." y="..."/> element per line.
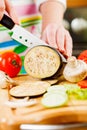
<point x="3" y="82"/>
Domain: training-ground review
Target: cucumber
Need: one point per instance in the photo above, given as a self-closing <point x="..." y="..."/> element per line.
<point x="57" y="88"/>
<point x="54" y="100"/>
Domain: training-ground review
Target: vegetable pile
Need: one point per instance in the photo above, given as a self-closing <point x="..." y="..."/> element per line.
<point x="59" y="95"/>
<point x="75" y="91"/>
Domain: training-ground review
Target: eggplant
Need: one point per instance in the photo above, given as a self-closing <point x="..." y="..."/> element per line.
<point x="43" y="62"/>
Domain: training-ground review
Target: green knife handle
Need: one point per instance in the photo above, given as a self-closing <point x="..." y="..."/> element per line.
<point x="7" y="22"/>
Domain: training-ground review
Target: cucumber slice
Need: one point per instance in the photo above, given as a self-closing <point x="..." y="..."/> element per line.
<point x="57" y="88"/>
<point x="55" y="92"/>
<point x="54" y="100"/>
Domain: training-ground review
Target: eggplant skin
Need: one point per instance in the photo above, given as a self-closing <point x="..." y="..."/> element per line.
<point x="42" y="62"/>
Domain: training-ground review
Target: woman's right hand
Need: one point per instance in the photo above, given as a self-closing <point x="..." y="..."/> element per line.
<point x="6" y="7"/>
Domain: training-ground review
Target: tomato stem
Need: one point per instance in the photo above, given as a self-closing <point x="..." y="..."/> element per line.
<point x="14" y="62"/>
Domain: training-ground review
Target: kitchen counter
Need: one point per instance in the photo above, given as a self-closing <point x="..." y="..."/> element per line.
<point x="11" y="119"/>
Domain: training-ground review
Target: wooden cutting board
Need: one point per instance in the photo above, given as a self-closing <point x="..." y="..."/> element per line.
<point x="11" y="119"/>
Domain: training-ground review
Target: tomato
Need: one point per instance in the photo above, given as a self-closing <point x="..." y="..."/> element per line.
<point x="83" y="83"/>
<point x="83" y="56"/>
<point x="10" y="63"/>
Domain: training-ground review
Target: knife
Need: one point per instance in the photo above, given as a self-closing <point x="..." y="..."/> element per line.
<point x="23" y="36"/>
<point x="20" y="34"/>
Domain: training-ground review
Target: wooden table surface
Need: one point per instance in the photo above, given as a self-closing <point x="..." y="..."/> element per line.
<point x="11" y="119"/>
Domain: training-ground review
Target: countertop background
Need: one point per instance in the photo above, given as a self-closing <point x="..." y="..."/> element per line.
<point x="77" y="10"/>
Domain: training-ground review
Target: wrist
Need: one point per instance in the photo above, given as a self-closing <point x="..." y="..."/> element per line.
<point x="62" y="2"/>
<point x="51" y="13"/>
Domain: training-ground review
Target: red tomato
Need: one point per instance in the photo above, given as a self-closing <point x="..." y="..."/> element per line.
<point x="83" y="84"/>
<point x="83" y="56"/>
<point x="11" y="63"/>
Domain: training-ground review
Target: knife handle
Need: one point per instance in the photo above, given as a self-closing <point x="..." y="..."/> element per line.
<point x="7" y="22"/>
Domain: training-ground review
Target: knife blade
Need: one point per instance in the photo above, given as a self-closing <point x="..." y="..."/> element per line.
<point x="20" y="34"/>
<point x="23" y="36"/>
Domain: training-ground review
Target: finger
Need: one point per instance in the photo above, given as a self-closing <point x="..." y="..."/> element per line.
<point x="2" y="8"/>
<point x="11" y="11"/>
<point x="60" y="40"/>
<point x="69" y="44"/>
<point x="44" y="36"/>
<point x="51" y="35"/>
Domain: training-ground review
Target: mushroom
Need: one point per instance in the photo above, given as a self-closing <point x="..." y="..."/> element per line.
<point x="75" y="70"/>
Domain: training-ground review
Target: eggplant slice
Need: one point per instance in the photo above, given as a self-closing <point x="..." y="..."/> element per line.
<point x="29" y="89"/>
<point x="42" y="62"/>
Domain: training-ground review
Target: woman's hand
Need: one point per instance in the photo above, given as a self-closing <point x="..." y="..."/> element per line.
<point x="59" y="38"/>
<point x="6" y="7"/>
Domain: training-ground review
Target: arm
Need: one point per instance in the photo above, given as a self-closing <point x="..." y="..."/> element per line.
<point x="6" y="7"/>
<point x="52" y="12"/>
<point x="53" y="31"/>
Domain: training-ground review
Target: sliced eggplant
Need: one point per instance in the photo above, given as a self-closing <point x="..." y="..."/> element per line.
<point x="29" y="89"/>
<point x="42" y="62"/>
